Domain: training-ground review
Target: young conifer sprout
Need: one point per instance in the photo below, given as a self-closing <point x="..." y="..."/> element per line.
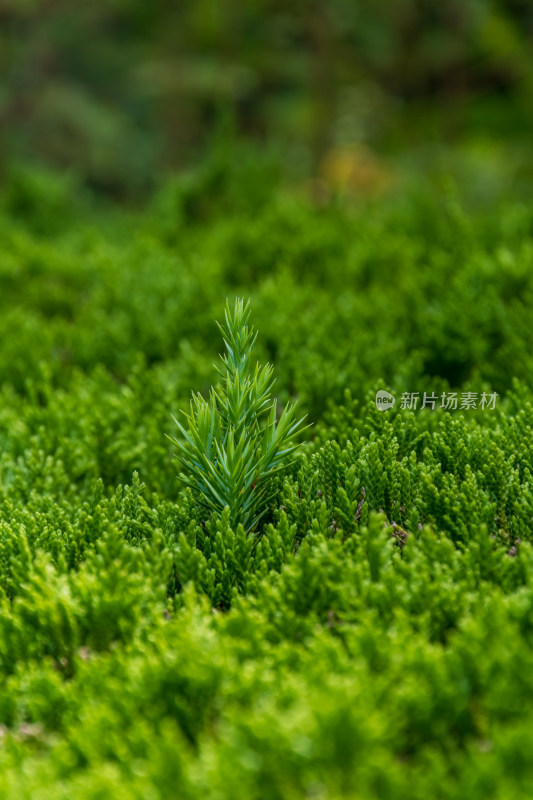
<point x="232" y="444"/>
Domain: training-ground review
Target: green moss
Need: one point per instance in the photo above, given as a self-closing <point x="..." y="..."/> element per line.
<point x="372" y="637"/>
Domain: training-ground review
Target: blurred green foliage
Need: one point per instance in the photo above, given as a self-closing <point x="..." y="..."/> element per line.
<point x="121" y="92"/>
<point x="375" y="640"/>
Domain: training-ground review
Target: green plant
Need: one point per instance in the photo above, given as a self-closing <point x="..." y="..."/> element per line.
<point x="234" y="444"/>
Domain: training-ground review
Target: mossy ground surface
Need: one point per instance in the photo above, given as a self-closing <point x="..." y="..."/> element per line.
<point x="376" y="640"/>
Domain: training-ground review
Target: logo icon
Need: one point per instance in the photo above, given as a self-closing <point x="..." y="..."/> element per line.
<point x="384" y="400"/>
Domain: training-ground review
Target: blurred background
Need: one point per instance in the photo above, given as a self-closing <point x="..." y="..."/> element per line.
<point x="124" y="92"/>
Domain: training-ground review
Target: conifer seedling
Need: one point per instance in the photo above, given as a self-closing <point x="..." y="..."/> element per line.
<point x="232" y="444"/>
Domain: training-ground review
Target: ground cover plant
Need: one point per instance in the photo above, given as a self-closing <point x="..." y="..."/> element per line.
<point x="371" y="634"/>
